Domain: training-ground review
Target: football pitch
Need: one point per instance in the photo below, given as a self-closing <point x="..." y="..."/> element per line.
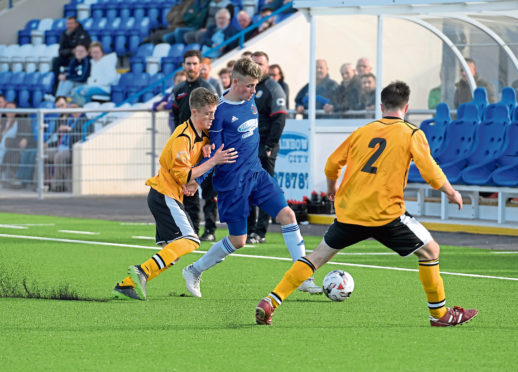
<point x="383" y="326"/>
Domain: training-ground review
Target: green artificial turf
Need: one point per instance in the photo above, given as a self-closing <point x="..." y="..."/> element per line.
<point x="383" y="326"/>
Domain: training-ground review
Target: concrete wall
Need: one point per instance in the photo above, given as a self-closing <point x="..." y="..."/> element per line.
<point x="14" y="19"/>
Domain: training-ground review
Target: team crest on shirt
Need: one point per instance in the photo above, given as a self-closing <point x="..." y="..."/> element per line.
<point x="259" y="94"/>
<point x="254" y="109"/>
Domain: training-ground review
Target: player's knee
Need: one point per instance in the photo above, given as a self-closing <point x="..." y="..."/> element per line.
<point x="286" y="216"/>
<point x="430" y="251"/>
<point x="237" y="241"/>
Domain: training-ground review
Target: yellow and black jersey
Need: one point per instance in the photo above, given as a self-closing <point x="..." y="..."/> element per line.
<point x="181" y="153"/>
<point x="377" y="157"/>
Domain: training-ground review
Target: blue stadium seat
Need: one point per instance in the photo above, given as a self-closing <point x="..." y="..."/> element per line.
<point x="176" y="54"/>
<point x="509" y="99"/>
<point x="153" y="79"/>
<point x="459" y="137"/>
<point x="480" y="99"/>
<point x="138" y="61"/>
<point x="98" y="9"/>
<point x="125" y="8"/>
<point x="129" y="84"/>
<point x="487" y="146"/>
<point x="194" y="46"/>
<point x="5" y="77"/>
<point x="435" y="130"/>
<point x="45" y="85"/>
<point x="30" y="82"/>
<point x="121" y="42"/>
<point x="506" y="173"/>
<point x="12" y="87"/>
<point x="108" y="32"/>
<point x="70" y="9"/>
<point x="24" y="36"/>
<point x="53" y="35"/>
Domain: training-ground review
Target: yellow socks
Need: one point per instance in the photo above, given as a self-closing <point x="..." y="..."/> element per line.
<point x="301" y="270"/>
<point x="167" y="256"/>
<point x="164" y="259"/>
<point x="433" y="286"/>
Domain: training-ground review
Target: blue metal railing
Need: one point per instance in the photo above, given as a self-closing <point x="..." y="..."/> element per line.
<point x="163" y="81"/>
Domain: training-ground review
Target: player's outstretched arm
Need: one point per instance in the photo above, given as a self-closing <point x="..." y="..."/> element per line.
<point x="331" y="189"/>
<point x="452" y="194"/>
<point x="220" y="157"/>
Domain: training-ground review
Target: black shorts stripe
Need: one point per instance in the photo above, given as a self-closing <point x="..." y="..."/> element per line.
<point x="276" y="297"/>
<point x="307" y="262"/>
<point x="429" y="263"/>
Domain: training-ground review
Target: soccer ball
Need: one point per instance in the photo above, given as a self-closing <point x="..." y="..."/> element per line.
<point x="338" y="285"/>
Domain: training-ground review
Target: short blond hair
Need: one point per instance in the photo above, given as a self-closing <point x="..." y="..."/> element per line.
<point x="201" y="97"/>
<point x="246" y="67"/>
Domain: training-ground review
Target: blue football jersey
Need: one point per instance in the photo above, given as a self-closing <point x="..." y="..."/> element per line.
<point x="235" y="124"/>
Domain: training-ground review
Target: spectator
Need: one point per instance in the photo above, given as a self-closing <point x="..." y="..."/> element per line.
<point x="182" y="112"/>
<point x="77" y="73"/>
<point x="245" y="21"/>
<point x="174" y="19"/>
<point x="196" y="36"/>
<point x="103" y="74"/>
<point x="73" y="35"/>
<point x="217" y="34"/>
<point x="16" y="135"/>
<point x="265" y="12"/>
<point x="270" y="101"/>
<point x="276" y="4"/>
<point x="194" y="18"/>
<point x="52" y="138"/>
<point x="367" y="98"/>
<point x="277" y="74"/>
<point x="205" y="74"/>
<point x="166" y="103"/>
<point x="246" y="54"/>
<point x="434" y="97"/>
<point x="463" y="91"/>
<point x="325" y="89"/>
<point x="224" y="77"/>
<point x="363" y="66"/>
<point x="341" y="101"/>
<point x="25" y="174"/>
<point x="231" y="63"/>
<point x="69" y="134"/>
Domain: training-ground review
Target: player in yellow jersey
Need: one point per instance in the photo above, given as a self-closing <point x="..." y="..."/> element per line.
<point x="178" y="167"/>
<point x="369" y="203"/>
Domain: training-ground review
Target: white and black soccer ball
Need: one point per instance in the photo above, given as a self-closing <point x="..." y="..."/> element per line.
<point x="338" y="285"/>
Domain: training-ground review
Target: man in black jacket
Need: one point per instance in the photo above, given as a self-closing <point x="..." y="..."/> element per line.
<point x="270" y="100"/>
<point x="73" y="35"/>
<point x="181" y="113"/>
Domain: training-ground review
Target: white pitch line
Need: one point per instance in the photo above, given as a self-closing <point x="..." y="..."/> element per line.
<point x="79" y="232"/>
<point x="14" y="227"/>
<point x="143" y="237"/>
<point x="505" y="252"/>
<point x="248" y="256"/>
<point x="36" y="224"/>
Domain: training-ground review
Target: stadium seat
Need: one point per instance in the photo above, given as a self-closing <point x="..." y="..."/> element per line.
<point x="509" y="99"/>
<point x="138" y="61"/>
<point x="488" y="144"/>
<point x="32" y="60"/>
<point x="153" y="79"/>
<point x="11" y="88"/>
<point x="480" y="99"/>
<point x="24" y="36"/>
<point x="5" y="77"/>
<point x="7" y="54"/>
<point x="25" y="89"/>
<point x="434" y="130"/>
<point x="38" y="35"/>
<point x="459" y="136"/>
<point x="45" y="61"/>
<point x="44" y="86"/>
<point x="129" y="84"/>
<point x="18" y="59"/>
<point x="153" y="61"/>
<point x="506" y="173"/>
<point x="107" y="33"/>
<point x="53" y="35"/>
<point x="123" y="44"/>
<point x="193" y="46"/>
<point x="70" y="9"/>
<point x="98" y="9"/>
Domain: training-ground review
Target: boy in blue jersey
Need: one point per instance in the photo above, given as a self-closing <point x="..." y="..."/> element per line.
<point x="244" y="182"/>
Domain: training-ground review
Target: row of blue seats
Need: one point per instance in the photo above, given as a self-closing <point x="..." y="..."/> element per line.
<point x="168" y="63"/>
<point x="477" y="148"/>
<point x="133" y="82"/>
<point x="26" y="89"/>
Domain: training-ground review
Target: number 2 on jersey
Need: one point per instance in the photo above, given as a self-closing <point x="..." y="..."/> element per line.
<point x="368" y="168"/>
